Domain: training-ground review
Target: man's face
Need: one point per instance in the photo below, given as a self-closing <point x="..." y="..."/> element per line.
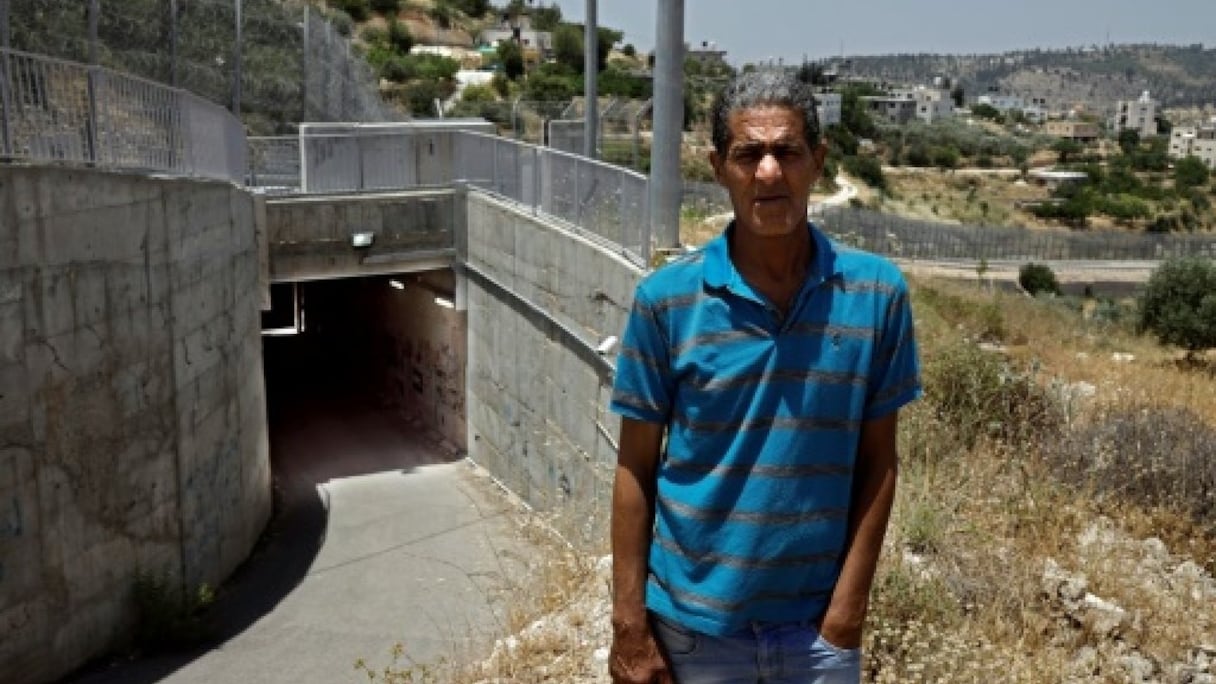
<point x="768" y="169"/>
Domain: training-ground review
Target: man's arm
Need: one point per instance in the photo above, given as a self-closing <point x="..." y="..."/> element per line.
<point x="873" y="494"/>
<point x="636" y="657"/>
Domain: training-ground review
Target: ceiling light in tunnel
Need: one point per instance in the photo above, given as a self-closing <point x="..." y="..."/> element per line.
<point x="396" y="284"/>
<point x="445" y="302"/>
<point x="362" y="239"/>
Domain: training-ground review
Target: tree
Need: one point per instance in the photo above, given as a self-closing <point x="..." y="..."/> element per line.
<point x="868" y="169"/>
<point x="386" y="7"/>
<point x="1179" y="303"/>
<point x="399" y="37"/>
<point x="1036" y="278"/>
<point x="1129" y="140"/>
<point x="512" y="58"/>
<point x="546" y="18"/>
<point x="471" y="8"/>
<point x="1066" y="147"/>
<point x="958" y="95"/>
<point x="1190" y="172"/>
<point x="568" y="47"/>
<point x="986" y="111"/>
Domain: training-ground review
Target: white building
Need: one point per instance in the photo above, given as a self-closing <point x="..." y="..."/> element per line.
<point x="1034" y="109"/>
<point x="1192" y="141"/>
<point x="1136" y="115"/>
<point x="933" y="104"/>
<point x="829" y="107"/>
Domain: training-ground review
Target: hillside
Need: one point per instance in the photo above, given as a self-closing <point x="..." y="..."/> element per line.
<point x="1178" y="76"/>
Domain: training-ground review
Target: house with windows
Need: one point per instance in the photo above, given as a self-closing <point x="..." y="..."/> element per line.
<point x="1194" y="141"/>
<point x="1138" y="115"/>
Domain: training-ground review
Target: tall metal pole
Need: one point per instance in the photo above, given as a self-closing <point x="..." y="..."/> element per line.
<point x="6" y="145"/>
<point x="304" y="67"/>
<point x="591" y="67"/>
<point x="91" y="131"/>
<point x="236" y="63"/>
<point x="666" y="186"/>
<point x="173" y="43"/>
<point x="4" y="24"/>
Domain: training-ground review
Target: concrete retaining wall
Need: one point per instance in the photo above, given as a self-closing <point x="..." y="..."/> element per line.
<point x="310" y="236"/>
<point x="540" y="299"/>
<point x="132" y="412"/>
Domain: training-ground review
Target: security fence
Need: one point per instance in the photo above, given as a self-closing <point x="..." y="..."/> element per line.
<point x="911" y="239"/>
<point x="57" y="111"/>
<point x="293" y="63"/>
<point x="604" y="201"/>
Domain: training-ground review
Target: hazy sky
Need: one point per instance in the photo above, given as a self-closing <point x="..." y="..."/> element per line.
<point x="753" y="30"/>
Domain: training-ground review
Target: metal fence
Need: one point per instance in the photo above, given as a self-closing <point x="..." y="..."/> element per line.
<point x="57" y="111"/>
<point x="604" y="201"/>
<point x="911" y="239"/>
<point x="293" y="61"/>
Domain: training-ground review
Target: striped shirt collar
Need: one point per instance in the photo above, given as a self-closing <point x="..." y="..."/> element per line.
<point x="720" y="271"/>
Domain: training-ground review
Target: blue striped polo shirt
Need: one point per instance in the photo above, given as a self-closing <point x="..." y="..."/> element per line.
<point x="763" y="421"/>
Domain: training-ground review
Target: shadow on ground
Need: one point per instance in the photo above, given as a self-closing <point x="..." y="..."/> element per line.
<point x="323" y="426"/>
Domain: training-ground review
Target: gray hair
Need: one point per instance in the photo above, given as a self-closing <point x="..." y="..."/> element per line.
<point x="767" y="87"/>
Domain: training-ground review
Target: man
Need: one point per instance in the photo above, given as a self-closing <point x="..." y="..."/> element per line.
<point x="759" y="384"/>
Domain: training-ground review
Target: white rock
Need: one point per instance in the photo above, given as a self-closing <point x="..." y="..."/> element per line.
<point x="601" y="654"/>
<point x="1121" y="357"/>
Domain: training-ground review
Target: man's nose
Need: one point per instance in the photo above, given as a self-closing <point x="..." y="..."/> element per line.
<point x="769" y="168"/>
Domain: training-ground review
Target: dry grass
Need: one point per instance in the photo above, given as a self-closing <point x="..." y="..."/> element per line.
<point x="1010" y="557"/>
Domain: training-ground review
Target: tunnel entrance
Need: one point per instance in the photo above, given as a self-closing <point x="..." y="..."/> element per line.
<point x="366" y="355"/>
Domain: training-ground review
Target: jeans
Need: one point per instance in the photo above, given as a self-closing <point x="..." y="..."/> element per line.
<point x="763" y="654"/>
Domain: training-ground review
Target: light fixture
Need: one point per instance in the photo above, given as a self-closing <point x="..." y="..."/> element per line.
<point x="396" y="284"/>
<point x="445" y="302"/>
<point x="606" y="346"/>
<point x="362" y="239"/>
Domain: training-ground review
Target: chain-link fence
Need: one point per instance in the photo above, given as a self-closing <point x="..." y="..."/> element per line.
<point x="293" y="64"/>
<point x="912" y="239"/>
<point x="58" y="111"/>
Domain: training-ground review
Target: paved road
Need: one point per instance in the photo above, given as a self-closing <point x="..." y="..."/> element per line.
<point x="383" y="538"/>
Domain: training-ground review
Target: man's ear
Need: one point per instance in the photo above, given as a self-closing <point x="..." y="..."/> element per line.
<point x="716" y="162"/>
<point x="819" y="155"/>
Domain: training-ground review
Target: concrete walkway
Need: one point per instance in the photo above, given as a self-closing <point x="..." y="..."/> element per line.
<point x="383" y="538"/>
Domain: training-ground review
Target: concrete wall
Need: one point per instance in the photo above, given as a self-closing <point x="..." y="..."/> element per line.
<point x="310" y="236"/>
<point x="540" y="299"/>
<point x="132" y="413"/>
<point x="422" y="352"/>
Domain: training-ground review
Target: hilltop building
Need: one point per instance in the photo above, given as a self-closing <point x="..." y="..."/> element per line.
<point x="707" y="54"/>
<point x="1080" y="131"/>
<point x="1136" y="115"/>
<point x="829" y="106"/>
<point x="904" y="105"/>
<point x="1034" y="109"/>
<point x="1194" y="141"/>
<point x="537" y="46"/>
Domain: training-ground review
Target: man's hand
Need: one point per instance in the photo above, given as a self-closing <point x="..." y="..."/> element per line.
<point x="841" y="631"/>
<point x="636" y="657"/>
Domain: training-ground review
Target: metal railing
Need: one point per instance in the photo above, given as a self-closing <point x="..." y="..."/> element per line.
<point x="912" y="239"/>
<point x="57" y="111"/>
<point x="604" y="201"/>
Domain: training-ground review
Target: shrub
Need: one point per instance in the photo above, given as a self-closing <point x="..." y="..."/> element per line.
<point x="1179" y="303"/>
<point x="1036" y="278"/>
<point x="1148" y="455"/>
<point x="342" y="23"/>
<point x="982" y="395"/>
<point x="868" y="169"/>
<point x="386" y="7"/>
<point x="359" y="10"/>
<point x="399" y="37"/>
